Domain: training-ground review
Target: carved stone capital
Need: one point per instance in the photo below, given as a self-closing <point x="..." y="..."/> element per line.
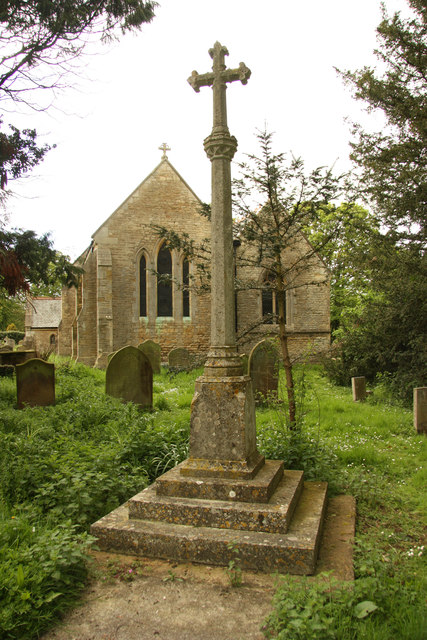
<point x="220" y="145"/>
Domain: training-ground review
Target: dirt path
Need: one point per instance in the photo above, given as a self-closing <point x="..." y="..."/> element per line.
<point x="141" y="598"/>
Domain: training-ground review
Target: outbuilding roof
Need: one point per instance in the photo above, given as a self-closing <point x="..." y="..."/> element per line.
<point x="46" y="312"/>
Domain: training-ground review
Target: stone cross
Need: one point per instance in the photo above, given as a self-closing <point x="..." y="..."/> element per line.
<point x="223" y="429"/>
<point x="164" y="147"/>
<point x="220" y="148"/>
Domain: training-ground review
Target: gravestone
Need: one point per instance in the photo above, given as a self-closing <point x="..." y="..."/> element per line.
<point x="358" y="386"/>
<point x="245" y="362"/>
<point x="264" y="369"/>
<point x="180" y="358"/>
<point x="9" y="342"/>
<point x="153" y="352"/>
<point x="35" y="383"/>
<point x="129" y="377"/>
<point x="420" y="409"/>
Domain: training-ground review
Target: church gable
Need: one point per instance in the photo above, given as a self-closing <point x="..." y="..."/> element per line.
<point x="162" y="198"/>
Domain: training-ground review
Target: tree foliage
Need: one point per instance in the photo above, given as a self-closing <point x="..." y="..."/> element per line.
<point x="276" y="201"/>
<point x="393" y="162"/>
<point x="389" y="336"/>
<point x="40" y="42"/>
<point x="27" y="259"/>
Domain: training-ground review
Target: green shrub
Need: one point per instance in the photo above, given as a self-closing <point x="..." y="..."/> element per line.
<point x="43" y="568"/>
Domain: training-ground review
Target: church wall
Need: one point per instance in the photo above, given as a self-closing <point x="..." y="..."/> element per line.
<point x="163" y="199"/>
<point x="86" y="351"/>
<point x="307" y="306"/>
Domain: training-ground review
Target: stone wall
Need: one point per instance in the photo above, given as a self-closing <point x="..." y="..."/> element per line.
<point x="45" y="340"/>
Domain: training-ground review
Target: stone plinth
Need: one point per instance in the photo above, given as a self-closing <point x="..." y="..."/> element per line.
<point x="223" y="430"/>
<point x="257" y="489"/>
<point x="282" y="536"/>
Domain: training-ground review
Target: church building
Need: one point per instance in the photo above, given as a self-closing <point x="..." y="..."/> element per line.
<point x="122" y="301"/>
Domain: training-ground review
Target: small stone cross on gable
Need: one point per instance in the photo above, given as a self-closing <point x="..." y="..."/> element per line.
<point x="218" y="78"/>
<point x="164" y="147"/>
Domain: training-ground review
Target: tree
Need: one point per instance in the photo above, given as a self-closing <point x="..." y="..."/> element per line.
<point x="26" y="259"/>
<point x="351" y="239"/>
<point x="393" y="171"/>
<point x="275" y="201"/>
<point x="40" y="41"/>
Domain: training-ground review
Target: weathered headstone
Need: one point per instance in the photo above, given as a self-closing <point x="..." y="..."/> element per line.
<point x="245" y="362"/>
<point x="420" y="409"/>
<point x="180" y="358"/>
<point x="358" y="386"/>
<point x="153" y="352"/>
<point x="35" y="383"/>
<point x="264" y="369"/>
<point x="9" y="342"/>
<point x="129" y="377"/>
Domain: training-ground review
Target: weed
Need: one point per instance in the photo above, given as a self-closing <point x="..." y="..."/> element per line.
<point x="171" y="577"/>
<point x="233" y="570"/>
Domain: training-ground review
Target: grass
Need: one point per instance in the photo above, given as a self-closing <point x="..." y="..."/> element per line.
<point x="63" y="467"/>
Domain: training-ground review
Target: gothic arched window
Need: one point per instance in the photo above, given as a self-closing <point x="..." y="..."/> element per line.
<point x="143" y="286"/>
<point x="185" y="290"/>
<point x="164" y="282"/>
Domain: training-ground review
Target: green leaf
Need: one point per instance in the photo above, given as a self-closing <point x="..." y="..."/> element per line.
<point x="364" y="608"/>
<point x="20" y="578"/>
<point x="52" y="596"/>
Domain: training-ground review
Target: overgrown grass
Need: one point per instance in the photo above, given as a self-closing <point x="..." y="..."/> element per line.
<point x="369" y="450"/>
<point x="63" y="467"/>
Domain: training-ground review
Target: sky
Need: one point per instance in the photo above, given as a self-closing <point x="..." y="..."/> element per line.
<point x="133" y="96"/>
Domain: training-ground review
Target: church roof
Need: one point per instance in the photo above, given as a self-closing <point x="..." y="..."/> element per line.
<point x="46" y="312"/>
<point x="164" y="160"/>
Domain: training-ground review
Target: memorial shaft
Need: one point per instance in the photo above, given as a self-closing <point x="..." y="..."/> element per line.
<point x="220" y="148"/>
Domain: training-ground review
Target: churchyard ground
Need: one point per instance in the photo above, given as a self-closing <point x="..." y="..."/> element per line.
<point x="64" y="466"/>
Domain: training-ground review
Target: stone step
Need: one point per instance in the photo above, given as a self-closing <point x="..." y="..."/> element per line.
<point x="293" y="552"/>
<point x="271" y="517"/>
<point x="258" y="489"/>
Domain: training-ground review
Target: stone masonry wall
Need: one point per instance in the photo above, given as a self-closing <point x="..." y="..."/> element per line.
<point x="86" y="351"/>
<point x="307" y="304"/>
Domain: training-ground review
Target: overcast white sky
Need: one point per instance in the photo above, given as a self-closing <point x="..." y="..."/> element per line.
<point x="136" y="96"/>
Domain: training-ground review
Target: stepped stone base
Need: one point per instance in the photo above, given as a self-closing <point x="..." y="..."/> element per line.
<point x="281" y="534"/>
